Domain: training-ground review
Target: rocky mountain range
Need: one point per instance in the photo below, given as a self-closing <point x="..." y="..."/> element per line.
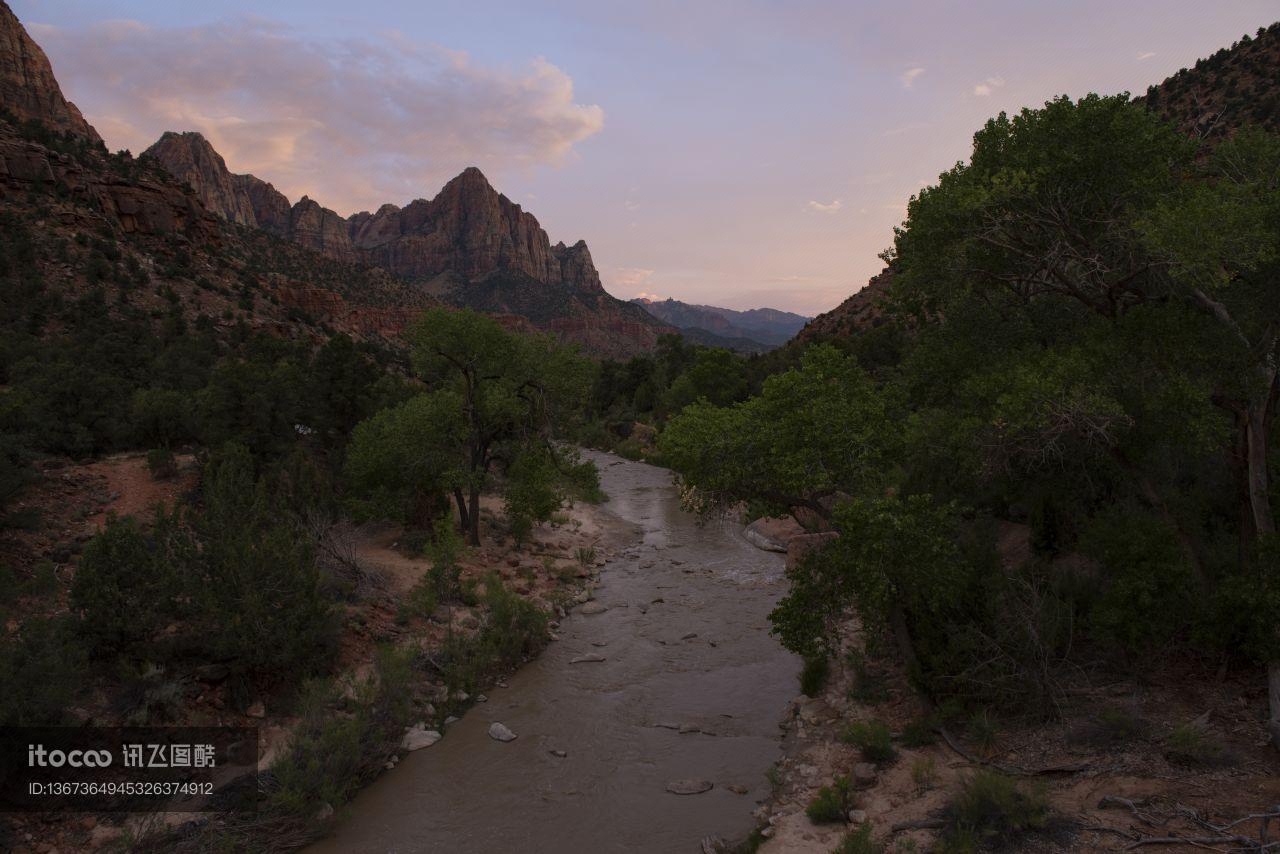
<point x="1234" y="86"/>
<point x="754" y="331"/>
<point x="469" y="246"/>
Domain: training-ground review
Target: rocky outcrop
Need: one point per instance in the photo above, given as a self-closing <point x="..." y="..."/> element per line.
<point x="321" y="229"/>
<point x="270" y="206"/>
<point x="28" y="88"/>
<point x="772" y="533"/>
<point x="801" y="545"/>
<point x="471" y="230"/>
<point x="190" y="158"/>
<point x="139" y="205"/>
<point x="576" y="267"/>
<point x="330" y="307"/>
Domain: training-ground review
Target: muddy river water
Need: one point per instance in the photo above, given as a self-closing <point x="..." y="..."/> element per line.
<point x="692" y="686"/>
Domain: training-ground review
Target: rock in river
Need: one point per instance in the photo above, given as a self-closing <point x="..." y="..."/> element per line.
<point x="500" y="732"/>
<point x="418" y="736"/>
<point x="593" y="607"/>
<point x="589" y="658"/>
<point x="689" y="787"/>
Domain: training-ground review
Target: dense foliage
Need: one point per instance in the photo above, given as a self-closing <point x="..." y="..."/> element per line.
<point x="492" y="405"/>
<point x="1084" y="340"/>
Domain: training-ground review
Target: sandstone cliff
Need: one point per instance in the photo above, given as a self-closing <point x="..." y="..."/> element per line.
<point x="28" y="89"/>
<point x="189" y="157"/>
<point x="470" y="245"/>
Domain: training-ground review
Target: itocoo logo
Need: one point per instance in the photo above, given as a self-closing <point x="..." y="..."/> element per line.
<point x="39" y="757"/>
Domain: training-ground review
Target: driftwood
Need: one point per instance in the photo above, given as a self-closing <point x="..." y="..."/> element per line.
<point x="1222" y="833"/>
<point x="1011" y="770"/>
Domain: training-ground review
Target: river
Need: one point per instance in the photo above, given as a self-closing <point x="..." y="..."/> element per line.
<point x="686" y="646"/>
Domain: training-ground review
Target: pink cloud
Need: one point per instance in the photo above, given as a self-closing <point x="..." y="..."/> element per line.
<point x="353" y="124"/>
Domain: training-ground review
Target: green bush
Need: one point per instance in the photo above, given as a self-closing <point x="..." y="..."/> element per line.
<point x="1148" y="594"/>
<point x="920" y="732"/>
<point x="1191" y="744"/>
<point x="859" y="842"/>
<point x="512" y="630"/>
<point x="124" y="588"/>
<point x="42" y="670"/>
<point x="873" y="738"/>
<point x="329" y="757"/>
<point x="258" y="594"/>
<point x="832" y="803"/>
<point x="813" y="677"/>
<point x="992" y="810"/>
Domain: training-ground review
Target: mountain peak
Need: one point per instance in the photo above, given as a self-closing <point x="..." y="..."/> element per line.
<point x="28" y="88"/>
<point x="188" y="156"/>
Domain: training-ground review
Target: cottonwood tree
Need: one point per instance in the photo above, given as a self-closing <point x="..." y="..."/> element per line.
<point x="813" y="433"/>
<point x="1099" y="203"/>
<point x="494" y="400"/>
<point x="1223" y="233"/>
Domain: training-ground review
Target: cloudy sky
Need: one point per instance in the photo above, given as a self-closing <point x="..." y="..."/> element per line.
<point x="736" y="153"/>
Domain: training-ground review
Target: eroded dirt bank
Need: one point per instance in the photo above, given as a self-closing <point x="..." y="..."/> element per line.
<point x="669" y="675"/>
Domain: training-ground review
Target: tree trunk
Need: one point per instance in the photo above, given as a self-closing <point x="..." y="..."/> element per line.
<point x="1273" y="699"/>
<point x="473" y="528"/>
<point x="1264" y="523"/>
<point x="1256" y="462"/>
<point x="462" y="510"/>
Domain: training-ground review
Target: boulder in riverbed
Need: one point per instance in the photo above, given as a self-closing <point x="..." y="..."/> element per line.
<point x="772" y="533"/>
<point x="418" y="736"/>
<point x="500" y="732"/>
<point x="689" y="787"/>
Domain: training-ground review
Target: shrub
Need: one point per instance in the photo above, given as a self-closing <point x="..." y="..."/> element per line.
<point x="1190" y="744"/>
<point x="924" y="772"/>
<point x="420" y="602"/>
<point x="920" y="732"/>
<point x="124" y="587"/>
<point x="259" y="596"/>
<point x="814" y="675"/>
<point x="859" y="842"/>
<point x="512" y="630"/>
<point x="42" y="669"/>
<point x="983" y="730"/>
<point x="991" y="810"/>
<point x="43" y="582"/>
<point x="872" y="738"/>
<point x="443" y="550"/>
<point x="330" y="757"/>
<point x="161" y="463"/>
<point x="832" y="803"/>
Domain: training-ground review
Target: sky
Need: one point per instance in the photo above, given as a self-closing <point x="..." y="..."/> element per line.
<point x="744" y="154"/>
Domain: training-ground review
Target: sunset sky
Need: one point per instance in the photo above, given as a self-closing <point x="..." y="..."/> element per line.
<point x="733" y="153"/>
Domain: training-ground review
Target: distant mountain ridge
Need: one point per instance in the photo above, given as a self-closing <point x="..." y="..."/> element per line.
<point x="469" y="246"/>
<point x="754" y="330"/>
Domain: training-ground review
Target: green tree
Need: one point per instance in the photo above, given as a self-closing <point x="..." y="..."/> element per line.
<point x="513" y="391"/>
<point x="125" y="586"/>
<point x="257" y="594"/>
<point x="813" y="433"/>
<point x="405" y="461"/>
<point x="1223" y="232"/>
